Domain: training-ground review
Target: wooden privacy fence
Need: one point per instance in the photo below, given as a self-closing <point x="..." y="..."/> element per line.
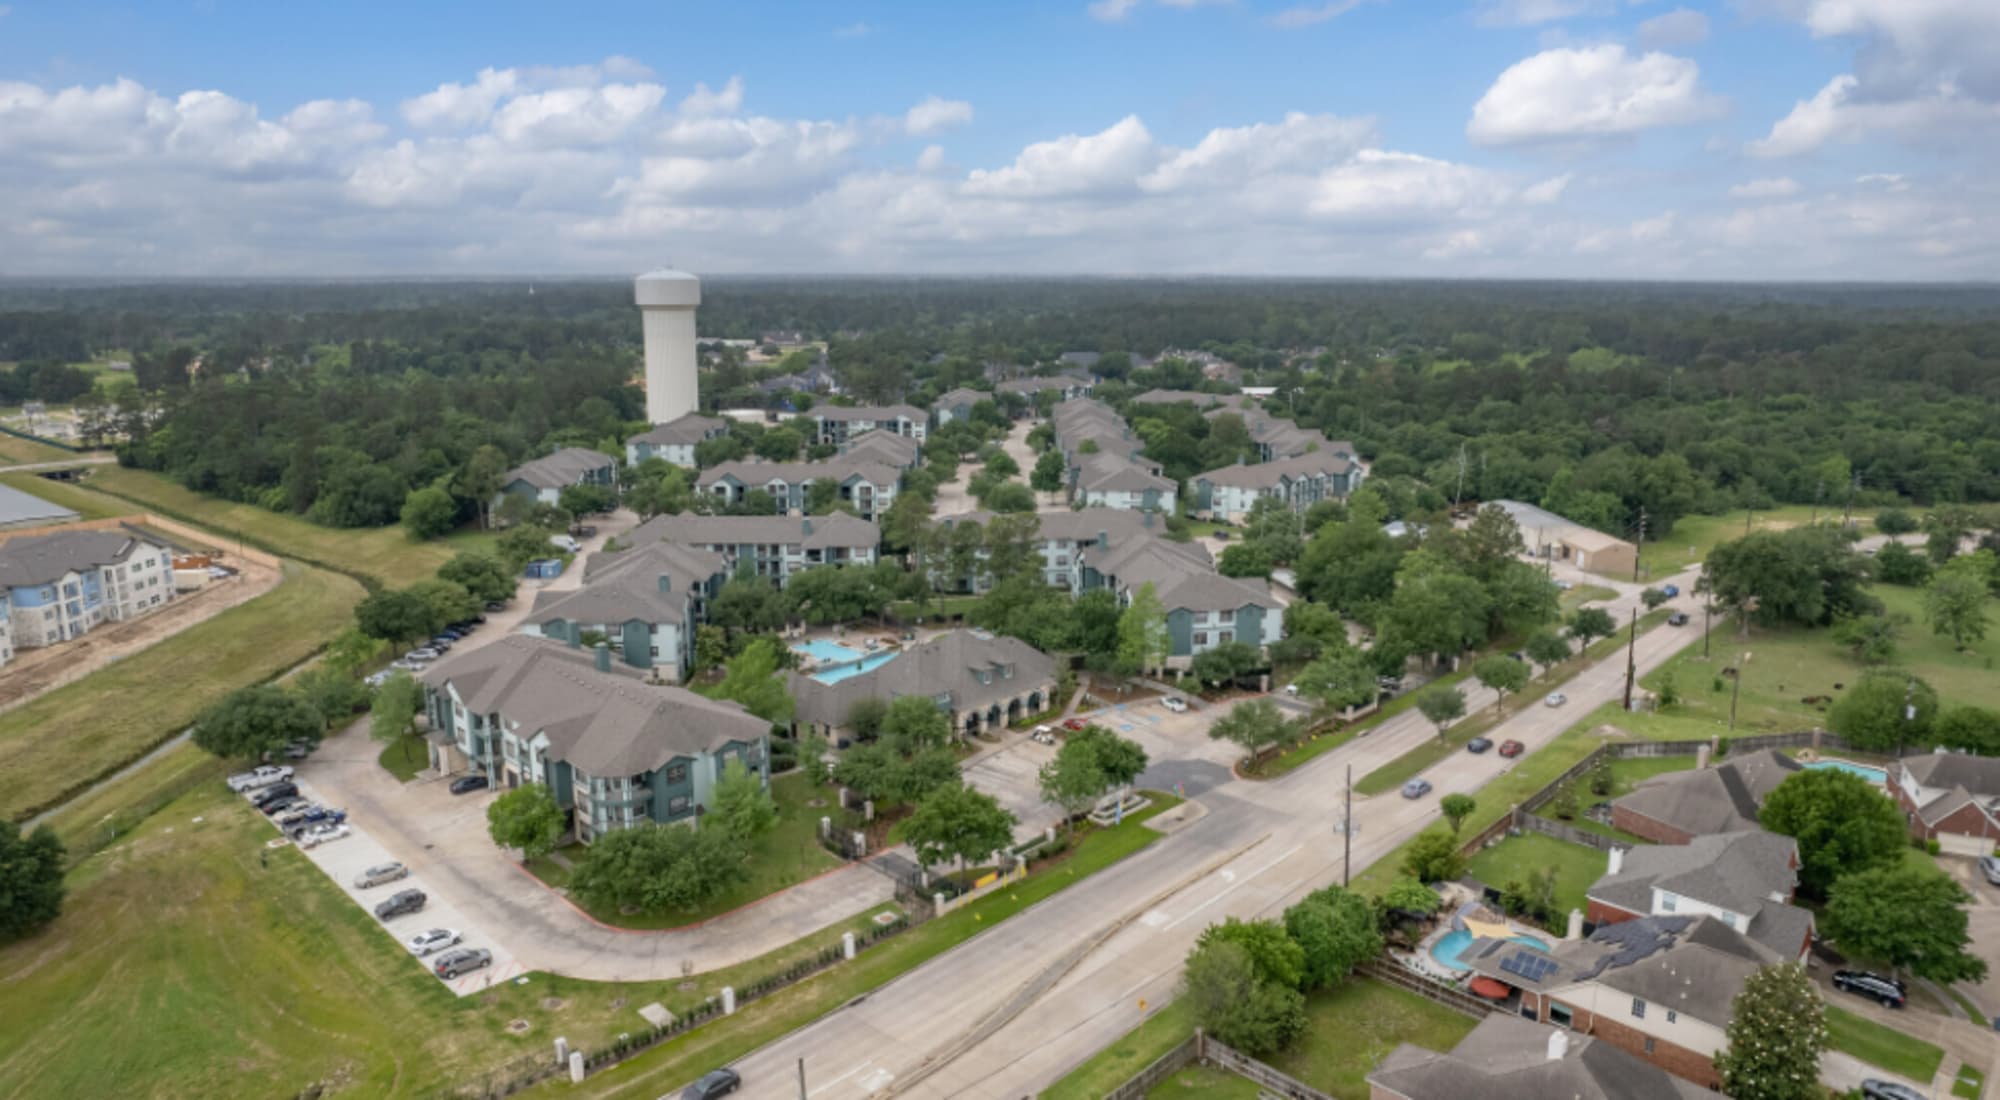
<point x="1163" y="1067"/>
<point x="1424" y="986"/>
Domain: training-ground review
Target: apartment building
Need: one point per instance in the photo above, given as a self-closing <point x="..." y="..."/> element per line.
<point x="646" y="600"/>
<point x="836" y="423"/>
<point x="62" y="585"/>
<point x="675" y="440"/>
<point x="774" y="547"/>
<point x="867" y="487"/>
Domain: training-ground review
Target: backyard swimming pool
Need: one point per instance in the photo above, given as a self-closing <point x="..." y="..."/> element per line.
<point x="1448" y="948"/>
<point x="837" y="662"/>
<point x="833" y="674"/>
<point x="1876" y="776"/>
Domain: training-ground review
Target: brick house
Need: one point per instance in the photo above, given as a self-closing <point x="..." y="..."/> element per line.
<point x="1508" y="1058"/>
<point x="1658" y="988"/>
<point x="1746" y="880"/>
<point x="1952" y="798"/>
<point x="1679" y="806"/>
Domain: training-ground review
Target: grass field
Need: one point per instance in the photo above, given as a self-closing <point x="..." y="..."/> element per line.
<point x="682" y="1060"/>
<point x="59" y="742"/>
<point x="15" y="451"/>
<point x="181" y="967"/>
<point x="1694" y="536"/>
<point x="1625" y="775"/>
<point x="1586" y="593"/>
<point x="404" y="758"/>
<point x="1881" y="1046"/>
<point x="84" y="503"/>
<point x="786" y="856"/>
<point x="1307" y="750"/>
<point x="1968" y="1082"/>
<point x="1576" y="867"/>
<point x="1138" y="1048"/>
<point x="1352" y="1027"/>
<point x="1195" y="1081"/>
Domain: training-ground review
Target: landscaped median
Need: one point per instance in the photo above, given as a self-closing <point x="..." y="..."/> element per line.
<point x="682" y="1059"/>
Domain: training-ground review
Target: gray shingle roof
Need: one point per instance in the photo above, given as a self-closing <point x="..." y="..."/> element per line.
<point x="814" y="533"/>
<point x="1036" y="384"/>
<point x="1507" y="1058"/>
<point x="867" y="412"/>
<point x="609" y="724"/>
<point x="840" y="468"/>
<point x="1693" y="965"/>
<point x="1264" y="475"/>
<point x="885" y="448"/>
<point x="1979" y="775"/>
<point x="565" y="467"/>
<point x="40" y="559"/>
<point x="1721" y="799"/>
<point x="949" y="663"/>
<point x="691" y="428"/>
<point x="961" y="396"/>
<point x="1747" y="872"/>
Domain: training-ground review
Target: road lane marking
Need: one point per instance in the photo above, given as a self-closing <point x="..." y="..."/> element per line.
<point x="1232" y="888"/>
<point x="877" y="1081"/>
<point x="837" y="1080"/>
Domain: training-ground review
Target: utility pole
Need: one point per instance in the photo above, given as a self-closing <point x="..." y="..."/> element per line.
<point x="1639" y="548"/>
<point x="1909" y="713"/>
<point x="1707" y="606"/>
<point x="1631" y="665"/>
<point x="1736" y="688"/>
<point x="802" y="1079"/>
<point x="1346" y="828"/>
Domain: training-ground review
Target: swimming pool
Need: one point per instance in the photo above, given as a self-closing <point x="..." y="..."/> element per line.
<point x="1448" y="948"/>
<point x="833" y="674"/>
<point x="819" y="649"/>
<point x="1876" y="776"/>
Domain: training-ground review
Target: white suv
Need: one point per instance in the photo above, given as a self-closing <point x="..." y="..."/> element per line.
<point x="1174" y="703"/>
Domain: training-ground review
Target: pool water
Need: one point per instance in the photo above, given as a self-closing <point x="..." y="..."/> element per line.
<point x="1876" y="776"/>
<point x="833" y="674"/>
<point x="819" y="649"/>
<point x="1448" y="948"/>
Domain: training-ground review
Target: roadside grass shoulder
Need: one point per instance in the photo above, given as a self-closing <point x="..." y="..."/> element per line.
<point x="62" y="741"/>
<point x="1168" y="1027"/>
<point x="1586" y="593"/>
<point x="1313" y="747"/>
<point x="15" y="451"/>
<point x="1881" y="1046"/>
<point x="1969" y="1082"/>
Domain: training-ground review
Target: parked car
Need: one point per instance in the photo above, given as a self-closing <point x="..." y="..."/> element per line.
<point x="423" y="653"/>
<point x="564" y="542"/>
<point x="1671" y="590"/>
<point x="1478" y="745"/>
<point x="1044" y="735"/>
<point x="451" y="634"/>
<point x="292" y="818"/>
<point x="1074" y="723"/>
<point x="259" y="777"/>
<point x="401" y="902"/>
<point x="436" y="939"/>
<point x="322" y="834"/>
<point x="274" y="793"/>
<point x="1678" y="618"/>
<point x="1512" y="748"/>
<point x="1889" y="991"/>
<point x="284" y="806"/>
<point x="1990" y="867"/>
<point x="377" y="679"/>
<point x="1556" y="699"/>
<point x="465" y="960"/>
<point x="1416" y="788"/>
<point x="440" y="643"/>
<point x="495" y="605"/>
<point x="1222" y="536"/>
<point x="380" y="874"/>
<point x="466" y="784"/>
<point x="408" y="665"/>
<point x="1174" y="703"/>
<point x="720" y="1082"/>
<point x="1565" y="585"/>
<point x="1875" y="1089"/>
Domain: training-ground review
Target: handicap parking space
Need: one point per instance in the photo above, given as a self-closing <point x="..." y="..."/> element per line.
<point x="344" y="859"/>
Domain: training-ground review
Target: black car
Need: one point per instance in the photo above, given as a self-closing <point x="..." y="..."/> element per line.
<point x="1478" y="744"/>
<point x="466" y="784"/>
<point x="283" y="806"/>
<point x="715" y="1083"/>
<point x="273" y="793"/>
<point x="1889" y="1090"/>
<point x="1890" y="991"/>
<point x="1678" y="618"/>
<point x="400" y="903"/>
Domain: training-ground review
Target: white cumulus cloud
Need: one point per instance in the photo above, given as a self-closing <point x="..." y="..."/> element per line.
<point x="1776" y="187"/>
<point x="1590" y="92"/>
<point x="1679" y="27"/>
<point x="935" y="115"/>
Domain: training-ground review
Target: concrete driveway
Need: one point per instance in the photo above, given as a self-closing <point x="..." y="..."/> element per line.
<point x="509" y="618"/>
<point x="1983" y="923"/>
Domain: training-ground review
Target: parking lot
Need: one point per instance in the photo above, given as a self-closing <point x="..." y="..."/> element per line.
<point x="346" y="858"/>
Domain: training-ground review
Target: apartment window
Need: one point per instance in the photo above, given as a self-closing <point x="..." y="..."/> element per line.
<point x="1560" y="1015"/>
<point x="677" y="773"/>
<point x="1668" y="902"/>
<point x="1638" y="1009"/>
<point x="1226" y="636"/>
<point x="1225" y="616"/>
<point x="1201" y="637"/>
<point x="1061" y="560"/>
<point x="677" y="804"/>
<point x="1672" y="1016"/>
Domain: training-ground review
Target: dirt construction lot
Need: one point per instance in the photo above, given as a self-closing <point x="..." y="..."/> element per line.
<point x="34" y="671"/>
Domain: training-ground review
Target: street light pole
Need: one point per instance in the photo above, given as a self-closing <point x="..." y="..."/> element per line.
<point x="1735" y="689"/>
<point x="1347" y="827"/>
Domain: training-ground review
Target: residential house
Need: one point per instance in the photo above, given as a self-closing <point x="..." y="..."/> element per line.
<point x="1106" y="468"/>
<point x="1196" y="398"/>
<point x="868" y="487"/>
<point x="836" y="423"/>
<point x="1228" y="494"/>
<point x="675" y="440"/>
<point x="1952" y="798"/>
<point x="982" y="681"/>
<point x="1746" y="880"/>
<point x="612" y="748"/>
<point x="898" y="452"/>
<point x="1677" y="807"/>
<point x="1085" y="361"/>
<point x="957" y="404"/>
<point x="774" y="547"/>
<point x="543" y="479"/>
<point x="1657" y="988"/>
<point x="646" y="600"/>
<point x="62" y="585"/>
<point x="1507" y="1058"/>
<point x="1550" y="536"/>
<point x="1066" y="387"/>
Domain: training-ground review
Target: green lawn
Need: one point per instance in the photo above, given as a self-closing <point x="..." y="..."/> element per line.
<point x="1881" y="1046"/>
<point x="1694" y="536"/>
<point x="1354" y="1026"/>
<point x="1625" y="775"/>
<point x="1586" y="593"/>
<point x="786" y="856"/>
<point x="1968" y="1082"/>
<point x="182" y="966"/>
<point x="61" y="741"/>
<point x="1138" y="1048"/>
<point x="95" y="820"/>
<point x="404" y="758"/>
<point x="1198" y="1082"/>
<point x="683" y="1059"/>
<point x="15" y="451"/>
<point x="1576" y="867"/>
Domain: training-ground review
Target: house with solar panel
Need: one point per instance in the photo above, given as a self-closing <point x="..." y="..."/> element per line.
<point x="1745" y="879"/>
<point x="1659" y="988"/>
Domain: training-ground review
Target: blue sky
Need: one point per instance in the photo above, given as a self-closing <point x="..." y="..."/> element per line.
<point x="1737" y="139"/>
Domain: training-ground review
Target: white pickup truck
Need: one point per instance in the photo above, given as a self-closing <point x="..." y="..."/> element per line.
<point x="259" y="777"/>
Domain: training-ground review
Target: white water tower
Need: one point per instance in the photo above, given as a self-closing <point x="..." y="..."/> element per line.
<point x="667" y="301"/>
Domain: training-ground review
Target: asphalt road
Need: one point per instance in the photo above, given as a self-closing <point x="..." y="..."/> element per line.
<point x="1259" y="847"/>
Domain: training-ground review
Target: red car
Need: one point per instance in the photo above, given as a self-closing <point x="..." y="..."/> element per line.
<point x="1512" y="748"/>
<point x="1075" y="724"/>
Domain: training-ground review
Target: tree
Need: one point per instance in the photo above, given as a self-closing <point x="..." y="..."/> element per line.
<point x="1230" y="1003"/>
<point x="1433" y="857"/>
<point x="1588" y="623"/>
<point x="1886" y="709"/>
<point x="873" y="771"/>
<point x="393" y="712"/>
<point x="1142" y="631"/>
<point x="1547" y="648"/>
<point x="812" y="757"/>
<point x="1911" y="918"/>
<point x="31" y="879"/>
<point x="1456" y="808"/>
<point x="1896" y="563"/>
<point x="654" y="868"/>
<point x="1255" y="724"/>
<point x="252" y="721"/>
<point x="395" y="615"/>
<point x="1049" y="472"/>
<point x="1274" y="956"/>
<point x="1502" y="674"/>
<point x="332" y="692"/>
<point x="1522" y="599"/>
<point x="1955" y="600"/>
<point x="1225" y="663"/>
<point x="1335" y="931"/>
<point x="1841" y="822"/>
<point x="742" y="806"/>
<point x="915" y="722"/>
<point x="1091" y="761"/>
<point x="711" y="646"/>
<point x="483" y="575"/>
<point x="479" y="479"/>
<point x="586" y="500"/>
<point x="1806" y="576"/>
<point x="1870" y="638"/>
<point x="527" y="818"/>
<point x="748" y="603"/>
<point x="1010" y="497"/>
<point x="428" y="513"/>
<point x="1244" y="559"/>
<point x="1435" y="610"/>
<point x="1653" y="598"/>
<point x="751" y="678"/>
<point x="1895" y="521"/>
<point x="1443" y="705"/>
<point x="865" y="716"/>
<point x="779" y="445"/>
<point x="955" y="821"/>
<point x="1408" y="895"/>
<point x="1777" y="1029"/>
<point x="1342" y="678"/>
<point x="1973" y="729"/>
